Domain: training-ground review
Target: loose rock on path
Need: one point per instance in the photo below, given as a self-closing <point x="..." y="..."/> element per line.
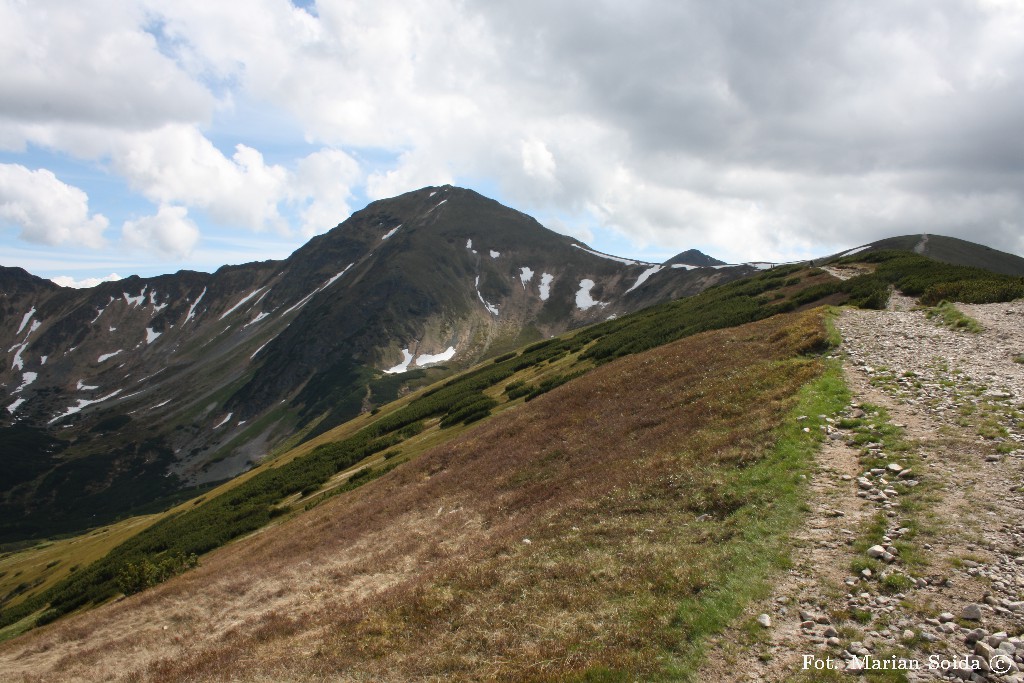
<point x="955" y="605"/>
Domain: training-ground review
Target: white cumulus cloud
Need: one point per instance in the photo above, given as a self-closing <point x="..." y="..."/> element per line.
<point x="169" y="232"/>
<point x="84" y="283"/>
<point x="178" y="164"/>
<point x="47" y="210"/>
<point x="538" y="162"/>
<point x="62" y="64"/>
<point x="322" y="186"/>
<point x="759" y="129"/>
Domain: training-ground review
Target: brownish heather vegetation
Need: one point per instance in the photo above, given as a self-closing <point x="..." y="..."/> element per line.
<point x="578" y="537"/>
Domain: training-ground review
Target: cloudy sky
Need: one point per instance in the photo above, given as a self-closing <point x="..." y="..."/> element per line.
<point x="144" y="136"/>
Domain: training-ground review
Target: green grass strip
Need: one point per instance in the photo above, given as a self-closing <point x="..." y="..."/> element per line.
<point x="952" y="317"/>
<point x="779" y="485"/>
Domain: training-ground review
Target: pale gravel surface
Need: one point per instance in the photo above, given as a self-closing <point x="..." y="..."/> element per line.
<point x="942" y="386"/>
<point x="959" y="384"/>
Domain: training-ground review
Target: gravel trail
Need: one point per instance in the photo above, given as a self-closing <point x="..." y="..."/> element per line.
<point x="946" y="599"/>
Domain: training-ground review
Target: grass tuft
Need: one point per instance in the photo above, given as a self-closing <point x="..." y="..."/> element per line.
<point x="952" y="317"/>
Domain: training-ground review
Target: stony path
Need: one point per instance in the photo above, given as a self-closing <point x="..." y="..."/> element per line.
<point x="947" y="510"/>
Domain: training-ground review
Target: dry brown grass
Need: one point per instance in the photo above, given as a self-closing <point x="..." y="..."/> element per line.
<point x="620" y="481"/>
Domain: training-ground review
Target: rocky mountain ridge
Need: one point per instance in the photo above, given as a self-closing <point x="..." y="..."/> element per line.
<point x="135" y="389"/>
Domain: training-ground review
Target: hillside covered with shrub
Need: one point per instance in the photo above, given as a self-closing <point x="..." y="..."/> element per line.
<point x="334" y="464"/>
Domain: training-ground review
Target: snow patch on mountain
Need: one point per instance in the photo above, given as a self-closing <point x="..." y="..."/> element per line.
<point x="151" y="335"/>
<point x="430" y="359"/>
<point x="192" y="308"/>
<point x="254" y="353"/>
<point x="82" y="403"/>
<point x="25" y="319"/>
<point x="258" y="318"/>
<point x="18" y="363"/>
<point x="583" y="298"/>
<point x="422" y="360"/>
<point x="545" y="285"/>
<point x="490" y="307"/>
<point x="403" y="366"/>
<point x="333" y="279"/>
<point x="26" y="379"/>
<point x="495" y="254"/>
<point x="14" y="406"/>
<point x="302" y="302"/>
<point x="135" y="300"/>
<point x="224" y="421"/>
<point x="390" y="232"/>
<point x="525" y="275"/>
<point x="305" y="300"/>
<point x="644" y="276"/>
<point x="108" y="356"/>
<point x="152" y="302"/>
<point x="619" y="259"/>
<point x="85" y="387"/>
<point x="246" y="298"/>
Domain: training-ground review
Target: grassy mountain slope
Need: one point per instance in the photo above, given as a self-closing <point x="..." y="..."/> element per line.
<point x="326" y="466"/>
<point x="597" y="531"/>
<point x="381" y="466"/>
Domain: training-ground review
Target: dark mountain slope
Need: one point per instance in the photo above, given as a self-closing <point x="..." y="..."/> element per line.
<point x="146" y="386"/>
<point x="452" y="273"/>
<point x="693" y="257"/>
<point x="949" y="250"/>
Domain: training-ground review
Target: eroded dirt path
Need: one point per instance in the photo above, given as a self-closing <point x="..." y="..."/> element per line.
<point x="954" y="522"/>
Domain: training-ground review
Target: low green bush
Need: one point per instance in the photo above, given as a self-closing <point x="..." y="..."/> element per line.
<point x="135" y="577"/>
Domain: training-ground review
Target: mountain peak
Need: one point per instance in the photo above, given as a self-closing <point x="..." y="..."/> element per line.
<point x="947" y="250"/>
<point x="694" y="257"/>
<point x="225" y="365"/>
